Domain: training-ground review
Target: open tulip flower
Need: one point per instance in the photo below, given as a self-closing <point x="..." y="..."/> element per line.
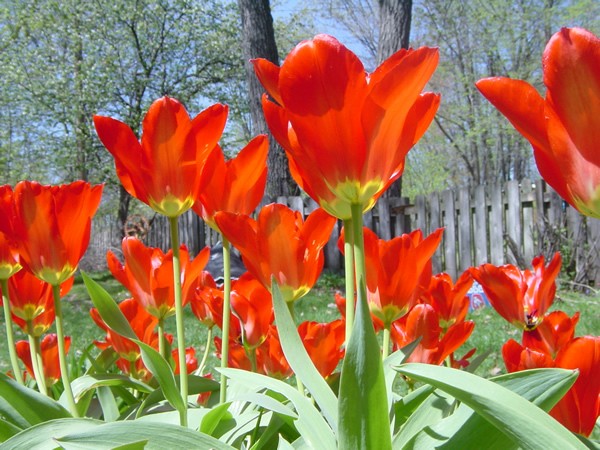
<point x="346" y="132"/>
<point x="32" y="303"/>
<point x="236" y="185"/>
<point x="280" y="244"/>
<point x="449" y="299"/>
<point x="252" y="304"/>
<point x="423" y="322"/>
<point x="555" y="331"/>
<point x="163" y="170"/>
<point x="148" y="275"/>
<point x="49" y="350"/>
<point x="323" y="343"/>
<point x="521" y="297"/>
<point x="395" y="269"/>
<point x="563" y="128"/>
<point x="9" y="254"/>
<point x="51" y="226"/>
<point x="207" y="306"/>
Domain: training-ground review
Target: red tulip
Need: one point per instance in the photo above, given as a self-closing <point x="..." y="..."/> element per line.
<point x="280" y="244"/>
<point x="163" y="170"/>
<point x="32" y="302"/>
<point x="346" y="132"/>
<point x="237" y="356"/>
<point x="394" y="271"/>
<point x="517" y="357"/>
<point x="521" y="297"/>
<point x="270" y="357"/>
<point x="563" y="128"/>
<point x="207" y="306"/>
<point x="253" y="306"/>
<point x="49" y="350"/>
<point x="235" y="186"/>
<point x="579" y="409"/>
<point x="556" y="330"/>
<point x="148" y="275"/>
<point x="422" y="322"/>
<point x="9" y="254"/>
<point x="323" y="343"/>
<point x="191" y="362"/>
<point x="449" y="300"/>
<point x="52" y="226"/>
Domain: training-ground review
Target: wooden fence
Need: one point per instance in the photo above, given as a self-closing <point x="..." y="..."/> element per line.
<point x="501" y="223"/>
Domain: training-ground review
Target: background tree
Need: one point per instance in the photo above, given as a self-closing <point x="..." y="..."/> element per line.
<point x="258" y="41"/>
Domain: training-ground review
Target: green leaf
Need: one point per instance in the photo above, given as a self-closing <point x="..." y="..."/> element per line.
<point x="363" y="410"/>
<point x="310" y="423"/>
<point x="300" y="362"/>
<point x="7" y="430"/>
<point x="526" y="424"/>
<point x="406" y="406"/>
<point x="108" y="403"/>
<point x="42" y="435"/>
<point x="108" y="308"/>
<point x="467" y="429"/>
<point x="24" y="407"/>
<point x="212" y="419"/>
<point x="159" y="437"/>
<point x="163" y="373"/>
<point x="89" y="382"/>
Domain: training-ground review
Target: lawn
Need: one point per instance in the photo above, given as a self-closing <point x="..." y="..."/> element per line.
<point x="490" y="332"/>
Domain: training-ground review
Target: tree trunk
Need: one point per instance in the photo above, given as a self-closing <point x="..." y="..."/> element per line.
<point x="394" y="34"/>
<point x="258" y="41"/>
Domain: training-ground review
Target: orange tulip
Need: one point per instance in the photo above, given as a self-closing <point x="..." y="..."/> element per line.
<point x="235" y="186"/>
<point x="253" y="306"/>
<point x="521" y="297"/>
<point x="323" y="343"/>
<point x="238" y="357"/>
<point x="563" y="128"/>
<point x="191" y="362"/>
<point x="394" y="271"/>
<point x="207" y="306"/>
<point x="449" y="299"/>
<point x="346" y="133"/>
<point x="32" y="302"/>
<point x="9" y="254"/>
<point x="148" y="275"/>
<point x="423" y="322"/>
<point x="52" y="226"/>
<point x="163" y="170"/>
<point x="280" y="244"/>
<point x="270" y="357"/>
<point x="49" y="350"/>
<point x="555" y="331"/>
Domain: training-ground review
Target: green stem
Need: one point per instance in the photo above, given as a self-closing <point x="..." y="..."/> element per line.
<point x="35" y="350"/>
<point x="162" y="347"/>
<point x="349" y="276"/>
<point x="183" y="376"/>
<point x="10" y="337"/>
<point x="226" y="314"/>
<point x="62" y="354"/>
<point x="358" y="245"/>
<point x="386" y="343"/>
<point x="252" y="357"/>
<point x="206" y="352"/>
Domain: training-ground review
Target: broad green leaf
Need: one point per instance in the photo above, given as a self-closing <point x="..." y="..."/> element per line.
<point x="7" y="430"/>
<point x="310" y="423"/>
<point x="300" y="362"/>
<point x="42" y="436"/>
<point x="159" y="436"/>
<point x="363" y="409"/>
<point x="24" y="407"/>
<point x="211" y="420"/>
<point x="108" y="403"/>
<point x="163" y="373"/>
<point x="404" y="407"/>
<point x="466" y="429"/>
<point x="266" y="402"/>
<point x="137" y="445"/>
<point x="89" y="382"/>
<point x="521" y="420"/>
<point x="108" y="308"/>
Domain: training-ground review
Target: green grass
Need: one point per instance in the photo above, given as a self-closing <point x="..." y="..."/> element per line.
<point x="490" y="332"/>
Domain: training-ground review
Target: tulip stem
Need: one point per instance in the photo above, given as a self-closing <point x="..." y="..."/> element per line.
<point x="35" y="350"/>
<point x="385" y="347"/>
<point x="162" y="348"/>
<point x="10" y="337"/>
<point x="226" y="314"/>
<point x="183" y="376"/>
<point x="206" y="352"/>
<point x="62" y="353"/>
<point x="349" y="276"/>
<point x="358" y="245"/>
